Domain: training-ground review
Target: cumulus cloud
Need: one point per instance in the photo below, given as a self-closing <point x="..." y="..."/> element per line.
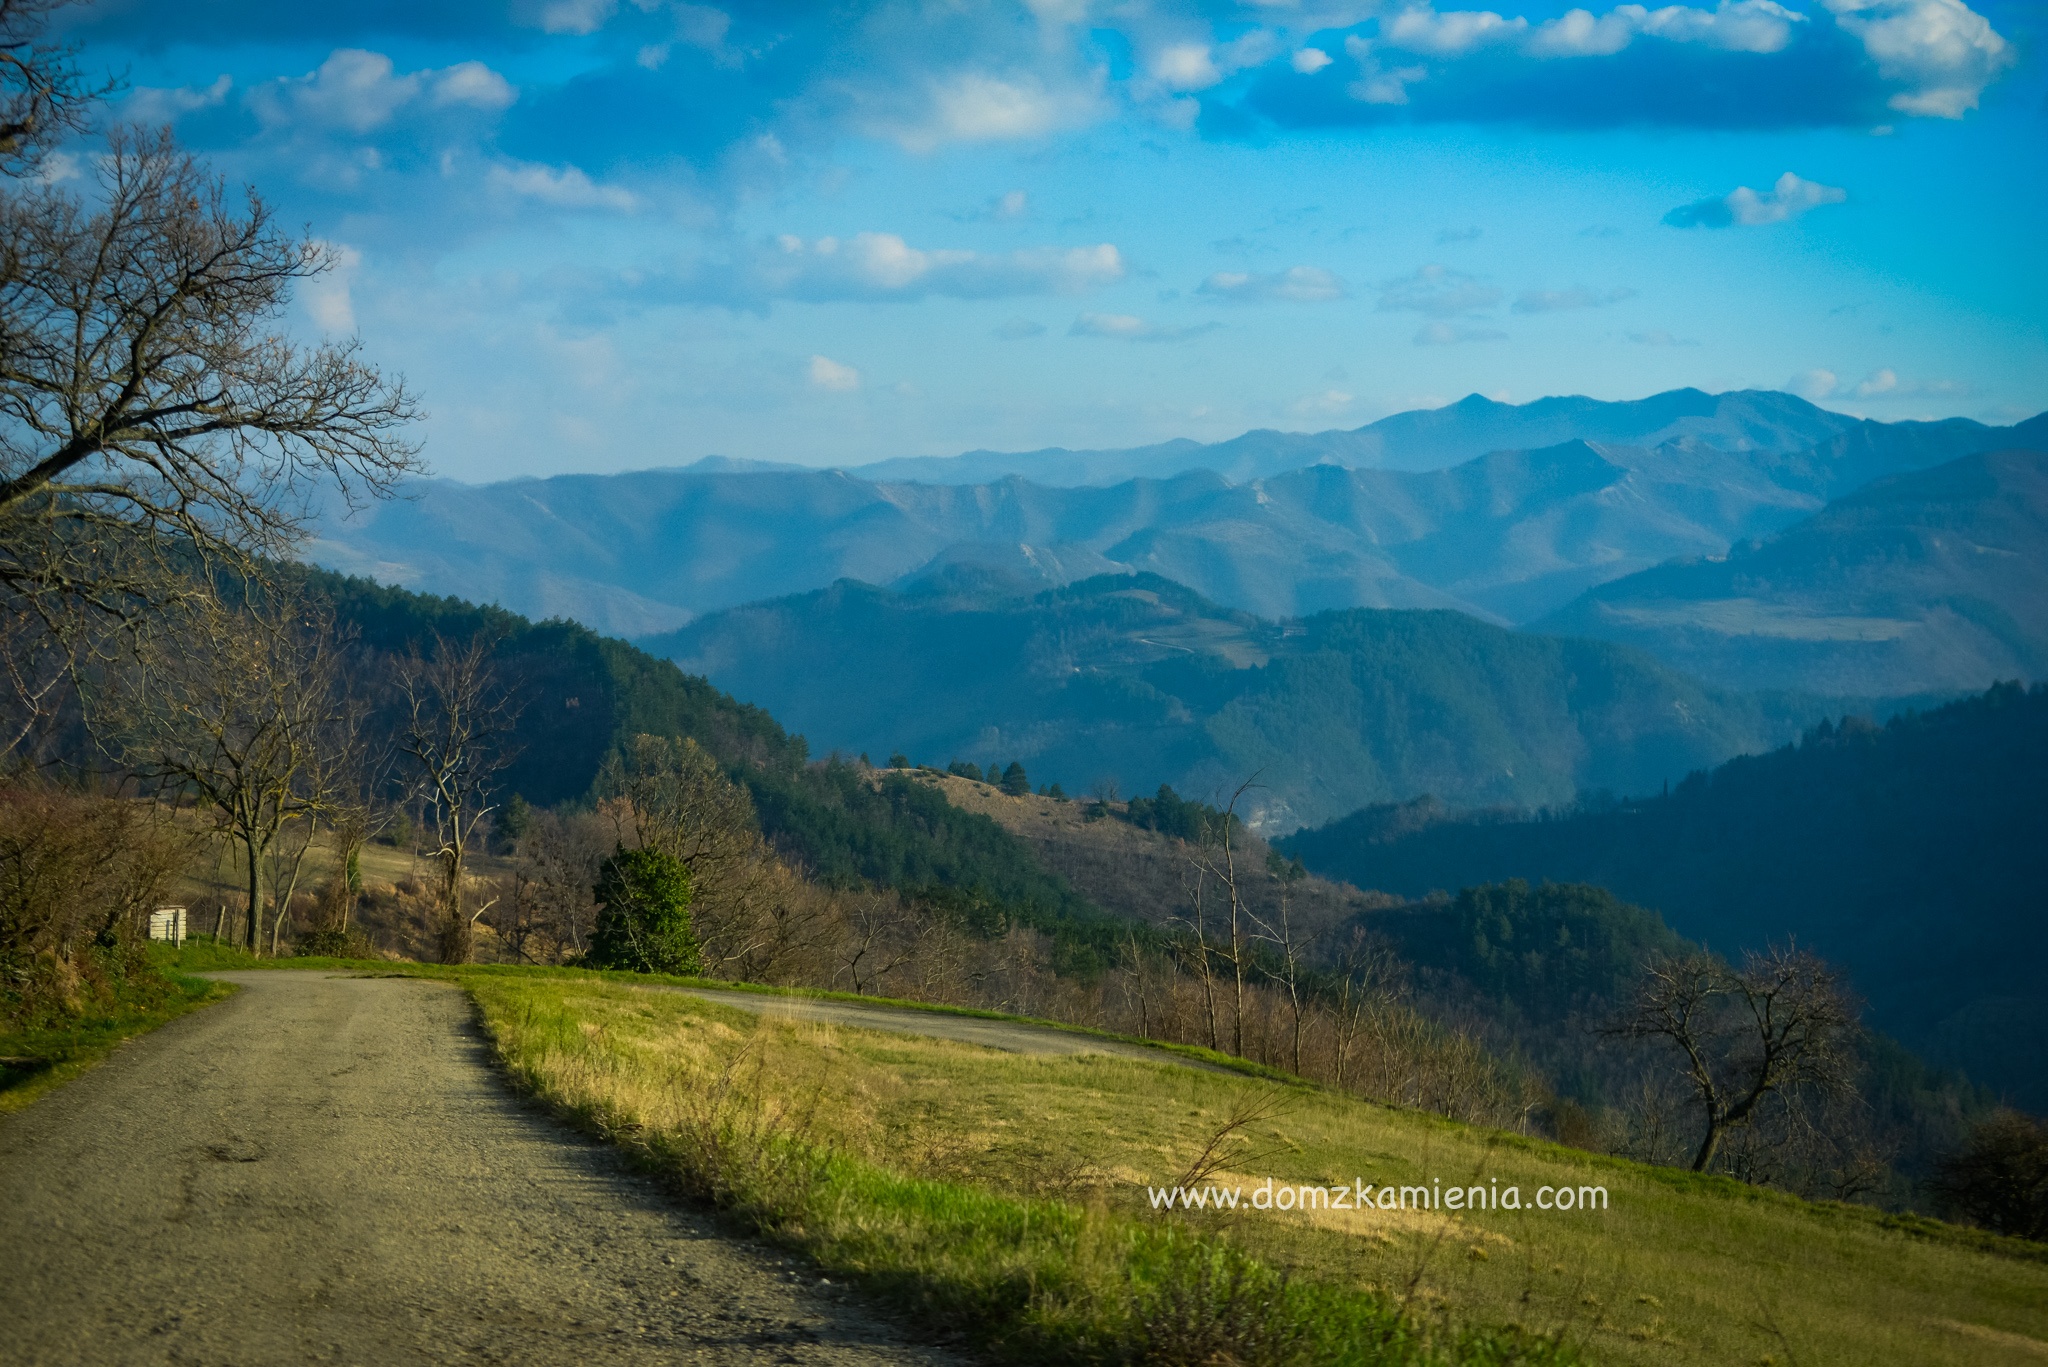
<point x="1788" y="199"/>
<point x="1737" y="63"/>
<point x="983" y="106"/>
<point x="1441" y="333"/>
<point x="1296" y="284"/>
<point x="884" y="267"/>
<point x="565" y="188"/>
<point x="827" y="373"/>
<point x="1126" y="327"/>
<point x="1310" y="60"/>
<point x="1941" y="51"/>
<point x="1438" y="291"/>
<point x="1813" y="385"/>
<point x="328" y="298"/>
<point x="472" y="84"/>
<point x="1577" y="297"/>
<point x="154" y="105"/>
<point x="357" y="91"/>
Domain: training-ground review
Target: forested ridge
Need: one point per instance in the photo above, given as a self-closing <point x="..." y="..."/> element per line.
<point x="1912" y="853"/>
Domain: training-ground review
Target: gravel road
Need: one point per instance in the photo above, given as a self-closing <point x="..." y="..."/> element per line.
<point x="1015" y="1037"/>
<point x="326" y="1170"/>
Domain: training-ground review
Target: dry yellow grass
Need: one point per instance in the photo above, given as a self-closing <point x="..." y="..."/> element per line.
<point x="1678" y="1270"/>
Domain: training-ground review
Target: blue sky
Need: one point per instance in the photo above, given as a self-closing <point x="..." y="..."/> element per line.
<point x="610" y="234"/>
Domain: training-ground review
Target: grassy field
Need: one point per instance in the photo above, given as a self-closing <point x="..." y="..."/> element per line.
<point x="1677" y="1269"/>
<point x="34" y="1060"/>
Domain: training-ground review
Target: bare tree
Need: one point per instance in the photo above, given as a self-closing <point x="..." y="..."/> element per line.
<point x="1195" y="943"/>
<point x="43" y="95"/>
<point x="1782" y="1021"/>
<point x="457" y="732"/>
<point x="240" y="712"/>
<point x="1291" y="944"/>
<point x="1366" y="982"/>
<point x="1215" y="855"/>
<point x="157" y="432"/>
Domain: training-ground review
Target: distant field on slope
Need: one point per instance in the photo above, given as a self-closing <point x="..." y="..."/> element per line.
<point x="1678" y="1270"/>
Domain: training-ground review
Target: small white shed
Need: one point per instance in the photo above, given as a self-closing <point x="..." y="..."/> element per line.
<point x="168" y="923"/>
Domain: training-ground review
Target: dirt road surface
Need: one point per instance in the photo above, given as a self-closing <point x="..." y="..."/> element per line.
<point x="326" y="1170"/>
<point x="1011" y="1036"/>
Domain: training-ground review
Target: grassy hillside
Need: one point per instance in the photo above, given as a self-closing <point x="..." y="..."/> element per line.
<point x="1143" y="681"/>
<point x="1008" y="1193"/>
<point x="1909" y="853"/>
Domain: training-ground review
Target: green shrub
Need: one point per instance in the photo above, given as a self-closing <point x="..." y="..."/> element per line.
<point x="643" y="915"/>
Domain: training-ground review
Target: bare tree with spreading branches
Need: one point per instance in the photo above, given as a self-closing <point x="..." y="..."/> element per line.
<point x="242" y="712"/>
<point x="43" y="95"/>
<point x="147" y="410"/>
<point x="1779" y="1023"/>
<point x="160" y="437"/>
<point x="458" y="721"/>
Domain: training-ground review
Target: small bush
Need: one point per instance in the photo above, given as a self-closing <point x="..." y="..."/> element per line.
<point x="643" y="915"/>
<point x="333" y="944"/>
<point x="1999" y="1179"/>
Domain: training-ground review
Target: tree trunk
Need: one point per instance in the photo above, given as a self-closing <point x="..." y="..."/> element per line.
<point x="1707" y="1146"/>
<point x="251" y="942"/>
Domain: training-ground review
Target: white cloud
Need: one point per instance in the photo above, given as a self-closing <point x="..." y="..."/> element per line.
<point x="1310" y="60"/>
<point x="1577" y="297"/>
<point x="153" y="105"/>
<point x="827" y="373"/>
<point x="358" y="91"/>
<point x="1786" y="200"/>
<point x="1448" y="334"/>
<point x="1185" y="66"/>
<point x="1944" y="50"/>
<point x="472" y="84"/>
<point x="1296" y="284"/>
<point x="567" y="188"/>
<point x="575" y="16"/>
<point x="1016" y="329"/>
<point x="1377" y="84"/>
<point x="884" y="266"/>
<point x="59" y="166"/>
<point x="1813" y="385"/>
<point x="1733" y="26"/>
<point x="1438" y="291"/>
<point x="976" y="106"/>
<point x="1422" y="29"/>
<point x="1126" y="327"/>
<point x="327" y="297"/>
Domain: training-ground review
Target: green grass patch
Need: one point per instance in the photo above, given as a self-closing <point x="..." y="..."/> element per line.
<point x="753" y="1117"/>
<point x="1005" y="1193"/>
<point x="35" y="1059"/>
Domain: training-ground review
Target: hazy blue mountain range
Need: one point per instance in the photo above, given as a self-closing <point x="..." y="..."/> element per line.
<point x="1932" y="580"/>
<point x="1142" y="681"/>
<point x="1759" y="421"/>
<point x="1911" y="854"/>
<point x="1508" y="536"/>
